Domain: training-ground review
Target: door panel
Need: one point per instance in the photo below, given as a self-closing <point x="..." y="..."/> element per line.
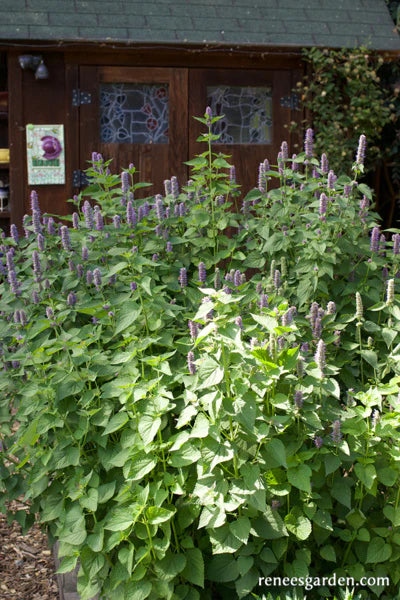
<point x="245" y="156"/>
<point x="139" y="116"/>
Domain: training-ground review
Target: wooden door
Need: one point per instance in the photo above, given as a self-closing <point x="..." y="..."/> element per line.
<point x="250" y="99"/>
<point x="136" y="115"/>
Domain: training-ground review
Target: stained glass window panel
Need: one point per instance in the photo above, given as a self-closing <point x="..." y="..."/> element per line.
<point x="248" y="114"/>
<point x="134" y="113"/>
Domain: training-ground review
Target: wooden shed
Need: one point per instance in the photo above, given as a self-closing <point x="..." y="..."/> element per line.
<point x="125" y="77"/>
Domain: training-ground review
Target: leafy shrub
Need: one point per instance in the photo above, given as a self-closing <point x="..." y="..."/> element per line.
<point x="184" y="429"/>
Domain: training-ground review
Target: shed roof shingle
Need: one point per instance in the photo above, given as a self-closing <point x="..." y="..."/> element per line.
<point x="238" y="22"/>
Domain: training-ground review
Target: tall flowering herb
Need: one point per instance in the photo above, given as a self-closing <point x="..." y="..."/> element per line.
<point x="359" y="306"/>
<point x="89" y="277"/>
<point x="202" y="272"/>
<point x="396" y="243"/>
<point x="167" y="187"/>
<point x="324" y="164"/>
<point x="317" y="329"/>
<point x="71" y="299"/>
<point x="85" y="253"/>
<point x="232" y="175"/>
<point x="174" y="187"/>
<point x="331" y="180"/>
<point x="382" y="244"/>
<point x="237" y="278"/>
<point x="26" y="220"/>
<point x="320" y="355"/>
<point x="51" y="229"/>
<point x="14" y="233"/>
<point x="284" y="151"/>
<point x="35" y="202"/>
<point x="217" y="278"/>
<point x="295" y="165"/>
<point x="37" y="269"/>
<point x="98" y="219"/>
<point x="65" y="238"/>
<point x="374" y="243"/>
<point x="194" y="330"/>
<point x="12" y="277"/>
<point x="159" y="208"/>
<point x="208" y="115"/>
<point x="37" y="226"/>
<point x="88" y="214"/>
<point x="298" y="398"/>
<point x="323" y="203"/>
<point x="362" y="145"/>
<point x="40" y="242"/>
<point x="336" y="434"/>
<point x="75" y="220"/>
<point x="331" y="308"/>
<point x="97" y="279"/>
<point x="277" y="279"/>
<point x="190" y="363"/>
<point x="125" y="182"/>
<point x="309" y="143"/>
<point x="390" y="292"/>
<point x="131" y="215"/>
<point x="183" y="277"/>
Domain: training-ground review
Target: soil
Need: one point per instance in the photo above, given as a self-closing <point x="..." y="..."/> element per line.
<point x="27" y="570"/>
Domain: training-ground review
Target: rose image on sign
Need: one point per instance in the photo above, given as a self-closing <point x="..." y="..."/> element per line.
<point x="51" y="147"/>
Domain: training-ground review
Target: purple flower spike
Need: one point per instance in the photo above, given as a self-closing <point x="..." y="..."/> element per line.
<point x="261" y="177"/>
<point x="168" y="247"/>
<point x="263" y="301"/>
<point x="374" y="244"/>
<point x="35" y="202"/>
<point x="239" y="322"/>
<point x="319" y="356"/>
<point x="98" y="219"/>
<point x="317" y="329"/>
<point x="277" y="279"/>
<point x="35" y="297"/>
<point x="88" y="214"/>
<point x="130" y="214"/>
<point x="97" y="279"/>
<point x="331" y="308"/>
<point x="117" y="221"/>
<point x="79" y="271"/>
<point x="51" y="230"/>
<point x="232" y="175"/>
<point x="396" y="243"/>
<point x="331" y="180"/>
<point x="85" y="253"/>
<point x="323" y="203"/>
<point x="12" y="277"/>
<point x="125" y="182"/>
<point x="75" y="220"/>
<point x="37" y="269"/>
<point x="40" y="242"/>
<point x="318" y="441"/>
<point x="298" y="398"/>
<point x="160" y="208"/>
<point x="202" y="272"/>
<point x="237" y="278"/>
<point x="362" y="144"/>
<point x="208" y="115"/>
<point x="167" y="187"/>
<point x="174" y="187"/>
<point x="324" y="164"/>
<point x="284" y="151"/>
<point x="309" y="143"/>
<point x="190" y="362"/>
<point x="71" y="299"/>
<point x="89" y="277"/>
<point x="65" y="239"/>
<point x="14" y="233"/>
<point x="295" y="165"/>
<point x="133" y="286"/>
<point x="217" y="278"/>
<point x="194" y="330"/>
<point x="275" y="504"/>
<point x="154" y="258"/>
<point x="182" y="277"/>
<point x="49" y="313"/>
<point x="336" y="434"/>
<point x="37" y="226"/>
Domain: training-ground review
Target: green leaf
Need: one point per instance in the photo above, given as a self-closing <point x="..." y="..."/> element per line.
<point x="299" y="525"/>
<point x="170" y="566"/>
<point x="275" y="450"/>
<point x="300" y="477"/>
<point x="388" y="336"/>
<point x="332" y="462"/>
<point x="148" y="427"/>
<point x="95" y="540"/>
<point x="355" y="518"/>
<point x="342" y="494"/>
<point x="141" y="466"/>
<point x="370" y="357"/>
<point x="90" y="500"/>
<point x="194" y="569"/>
<point x="156" y="515"/>
<point x="393" y="514"/>
<point x="200" y="427"/>
<point x="68" y="564"/>
<point x="126" y="316"/>
<point x="138" y="590"/>
<point x="387" y="476"/>
<point x="241" y="529"/>
<point x="328" y="553"/>
<point x="120" y="519"/>
<point x="222" y="568"/>
<point x="116" y="422"/>
<point x="378" y="551"/>
<point x="268" y="322"/>
<point x="223" y="541"/>
<point x="106" y="491"/>
<point x="366" y="474"/>
<point x="213" y="379"/>
<point x="186" y="455"/>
